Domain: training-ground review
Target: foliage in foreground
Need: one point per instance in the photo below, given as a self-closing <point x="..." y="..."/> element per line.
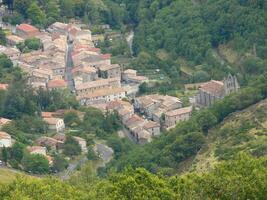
<point x="242" y="178"/>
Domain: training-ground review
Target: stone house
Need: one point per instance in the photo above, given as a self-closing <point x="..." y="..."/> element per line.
<point x="102" y="96"/>
<point x="110" y="71"/>
<point x="175" y="116"/>
<point x="89" y="87"/>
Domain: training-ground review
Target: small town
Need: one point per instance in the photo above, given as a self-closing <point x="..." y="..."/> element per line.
<point x="69" y="60"/>
<point x="117" y="95"/>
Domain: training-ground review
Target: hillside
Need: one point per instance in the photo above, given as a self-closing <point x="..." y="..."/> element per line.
<point x="243" y="131"/>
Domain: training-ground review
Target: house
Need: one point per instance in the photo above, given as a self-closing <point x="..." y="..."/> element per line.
<point x="5" y="139"/>
<point x="55" y="124"/>
<point x="110" y="71"/>
<point x="13" y="40"/>
<point x="60" y="137"/>
<point x="59" y="27"/>
<point x="49" y="143"/>
<point x="4" y="121"/>
<point x="56" y="84"/>
<point x="154" y="105"/>
<point x="84" y="74"/>
<point x="12" y="53"/>
<point x="89" y="87"/>
<point x="102" y="96"/>
<point x="212" y="91"/>
<point x="82" y="143"/>
<point x="152" y="127"/>
<point x="37" y="150"/>
<point x="48" y="114"/>
<point x="175" y="116"/>
<point x="130" y="76"/>
<point x="125" y="109"/>
<point x="26" y="31"/>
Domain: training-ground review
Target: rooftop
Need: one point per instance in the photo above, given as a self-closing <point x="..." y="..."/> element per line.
<point x="3" y="86"/>
<point x="27" y="28"/>
<point x="103" y="92"/>
<point x="109" y="67"/>
<point x="213" y="87"/>
<point x="4" y="135"/>
<point x="179" y="111"/>
<point x="57" y="83"/>
<point x="100" y="82"/>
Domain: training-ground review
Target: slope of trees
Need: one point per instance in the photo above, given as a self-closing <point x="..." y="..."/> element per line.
<point x="165" y="153"/>
<point x="44" y="12"/>
<point x="242" y="178"/>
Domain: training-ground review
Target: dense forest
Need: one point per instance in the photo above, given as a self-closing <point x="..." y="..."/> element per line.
<point x="242" y="178"/>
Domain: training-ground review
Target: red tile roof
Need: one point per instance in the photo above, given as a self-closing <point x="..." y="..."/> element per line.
<point x="105" y="56"/>
<point x="3" y="86"/>
<point x="27" y="28"/>
<point x="57" y="83"/>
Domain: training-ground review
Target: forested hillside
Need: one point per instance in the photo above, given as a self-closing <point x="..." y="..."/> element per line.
<point x="183" y="142"/>
<point x="191" y="30"/>
<point x="242" y="178"/>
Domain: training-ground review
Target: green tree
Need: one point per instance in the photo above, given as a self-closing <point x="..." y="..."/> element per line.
<point x="59" y="163"/>
<point x="35" y="163"/>
<point x="4" y="154"/>
<point x="71" y="119"/>
<point x="71" y="147"/>
<point x="36" y="15"/>
<point x="2" y="37"/>
<point x="91" y="155"/>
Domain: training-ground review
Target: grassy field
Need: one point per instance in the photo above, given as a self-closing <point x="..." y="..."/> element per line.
<point x="7" y="175"/>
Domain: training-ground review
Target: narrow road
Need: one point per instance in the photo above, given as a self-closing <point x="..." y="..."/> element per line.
<point x="129" y="40"/>
<point x="69" y="66"/>
<point x="105" y="152"/>
<point x="72" y="167"/>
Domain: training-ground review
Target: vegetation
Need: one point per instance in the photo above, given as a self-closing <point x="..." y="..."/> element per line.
<point x="44" y="13"/>
<point x="244" y="178"/>
<point x="29" y="45"/>
<point x="71" y="147"/>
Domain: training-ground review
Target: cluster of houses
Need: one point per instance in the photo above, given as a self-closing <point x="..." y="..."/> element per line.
<point x="45" y="144"/>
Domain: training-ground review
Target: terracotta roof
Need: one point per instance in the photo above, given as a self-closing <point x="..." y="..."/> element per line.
<point x="105" y="56"/>
<point x="48" y="114"/>
<point x="84" y="69"/>
<point x="100" y="82"/>
<point x="109" y="67"/>
<point x="150" y="124"/>
<point x="60" y="137"/>
<point x="213" y="87"/>
<point x="35" y="148"/>
<point x="4" y="135"/>
<point x="179" y="111"/>
<point x="47" y="141"/>
<point x="3" y="86"/>
<point x="57" y="83"/>
<point x="103" y="92"/>
<point x="4" y="121"/>
<point x="27" y="28"/>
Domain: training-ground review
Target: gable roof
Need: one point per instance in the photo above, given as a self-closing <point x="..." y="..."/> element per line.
<point x="4" y="135"/>
<point x="57" y="83"/>
<point x="213" y="87"/>
<point x="27" y="28"/>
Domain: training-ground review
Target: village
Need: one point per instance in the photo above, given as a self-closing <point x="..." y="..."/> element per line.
<point x="68" y="59"/>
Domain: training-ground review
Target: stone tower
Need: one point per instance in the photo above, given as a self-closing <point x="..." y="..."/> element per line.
<point x="230" y="84"/>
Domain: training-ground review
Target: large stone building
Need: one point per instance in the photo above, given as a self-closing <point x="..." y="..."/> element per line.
<point x="212" y="91"/>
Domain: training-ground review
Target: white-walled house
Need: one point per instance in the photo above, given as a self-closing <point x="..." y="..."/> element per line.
<point x="5" y="139"/>
<point x="55" y="124"/>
